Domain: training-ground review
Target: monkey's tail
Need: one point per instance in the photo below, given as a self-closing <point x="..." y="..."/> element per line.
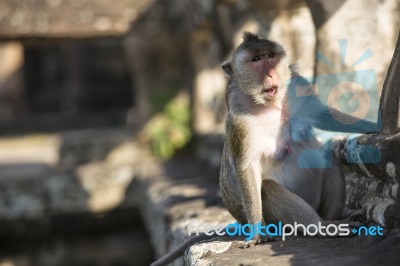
<point x="178" y="251"/>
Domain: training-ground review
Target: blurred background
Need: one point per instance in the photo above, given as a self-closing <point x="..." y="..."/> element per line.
<point x="96" y="95"/>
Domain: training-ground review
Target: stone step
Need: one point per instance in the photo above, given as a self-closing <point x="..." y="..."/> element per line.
<point x="170" y="203"/>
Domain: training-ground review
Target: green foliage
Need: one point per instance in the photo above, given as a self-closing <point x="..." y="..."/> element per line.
<point x="158" y="99"/>
<point x="170" y="130"/>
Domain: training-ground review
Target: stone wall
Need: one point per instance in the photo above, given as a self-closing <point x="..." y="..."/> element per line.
<point x="58" y="211"/>
<point x="76" y="18"/>
<point x="180" y="45"/>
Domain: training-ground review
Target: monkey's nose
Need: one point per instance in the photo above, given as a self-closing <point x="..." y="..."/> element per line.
<point x="269" y="71"/>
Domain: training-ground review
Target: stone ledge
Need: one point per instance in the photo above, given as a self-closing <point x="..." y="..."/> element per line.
<point x="173" y="199"/>
<point x="39" y="199"/>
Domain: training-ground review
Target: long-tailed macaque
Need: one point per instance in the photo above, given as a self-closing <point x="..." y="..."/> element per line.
<point x="273" y="168"/>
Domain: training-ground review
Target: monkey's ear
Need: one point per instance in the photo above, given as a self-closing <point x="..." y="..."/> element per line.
<point x="226" y="66"/>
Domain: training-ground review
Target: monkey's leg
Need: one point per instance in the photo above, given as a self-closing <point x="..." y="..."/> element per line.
<point x="279" y="204"/>
<point x="302" y="172"/>
<point x="333" y="192"/>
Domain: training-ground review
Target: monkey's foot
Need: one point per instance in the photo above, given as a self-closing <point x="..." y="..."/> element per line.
<point x="257" y="240"/>
<point x="249" y="243"/>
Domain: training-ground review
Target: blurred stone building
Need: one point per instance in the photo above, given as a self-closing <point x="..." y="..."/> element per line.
<point x="63" y="65"/>
<point x="82" y="63"/>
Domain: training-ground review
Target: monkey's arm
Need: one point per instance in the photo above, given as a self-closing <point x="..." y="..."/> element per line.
<point x="244" y="171"/>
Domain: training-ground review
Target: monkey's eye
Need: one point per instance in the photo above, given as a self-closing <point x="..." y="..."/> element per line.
<point x="256" y="58"/>
<point x="271" y="55"/>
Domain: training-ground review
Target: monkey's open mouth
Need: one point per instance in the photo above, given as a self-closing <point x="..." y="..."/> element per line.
<point x="270" y="91"/>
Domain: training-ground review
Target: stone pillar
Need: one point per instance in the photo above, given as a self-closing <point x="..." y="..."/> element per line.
<point x="137" y="52"/>
<point x="353" y="36"/>
<point x="209" y="84"/>
<point x="12" y="91"/>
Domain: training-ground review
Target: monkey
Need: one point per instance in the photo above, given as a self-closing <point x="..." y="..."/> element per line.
<point x="272" y="166"/>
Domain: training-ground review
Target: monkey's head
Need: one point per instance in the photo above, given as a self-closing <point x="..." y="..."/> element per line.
<point x="259" y="67"/>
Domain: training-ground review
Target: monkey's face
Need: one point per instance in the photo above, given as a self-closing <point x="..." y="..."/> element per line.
<point x="260" y="69"/>
<point x="259" y="73"/>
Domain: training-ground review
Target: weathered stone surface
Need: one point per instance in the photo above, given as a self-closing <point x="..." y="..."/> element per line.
<point x="369" y="161"/>
<point x="82" y="146"/>
<point x="31" y="149"/>
<point x="34" y="192"/>
<point x="173" y="199"/>
<point x="76" y="18"/>
<point x="359" y="31"/>
<point x="176" y="196"/>
<point x="390" y="98"/>
<point x="309" y="251"/>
